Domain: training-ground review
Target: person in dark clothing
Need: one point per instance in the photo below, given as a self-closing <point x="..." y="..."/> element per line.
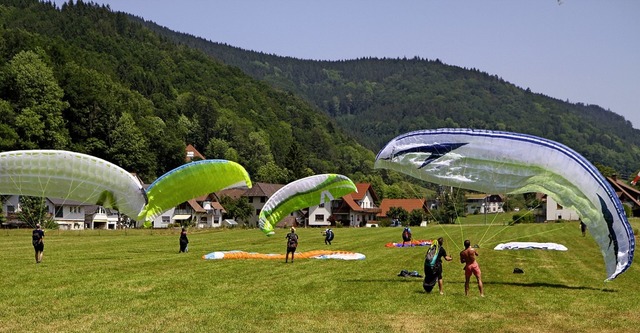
<point x="441" y="254"/>
<point x="292" y="244"/>
<point x="433" y="269"/>
<point x="37" y="239"/>
<point x="328" y="236"/>
<point x="184" y="241"/>
<point x="583" y="228"/>
<point x="406" y="236"/>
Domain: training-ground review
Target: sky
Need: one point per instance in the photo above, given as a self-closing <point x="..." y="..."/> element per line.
<point x="585" y="51"/>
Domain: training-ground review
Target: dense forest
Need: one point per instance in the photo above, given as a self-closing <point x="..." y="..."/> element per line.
<point x="83" y="78"/>
<point x="378" y="99"/>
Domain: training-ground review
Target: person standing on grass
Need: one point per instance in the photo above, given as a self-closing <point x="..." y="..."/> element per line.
<point x="468" y="258"/>
<point x="442" y="253"/>
<point x="328" y="236"/>
<point x="583" y="228"/>
<point x="406" y="236"/>
<point x="292" y="244"/>
<point x="184" y="241"/>
<point x="37" y="239"/>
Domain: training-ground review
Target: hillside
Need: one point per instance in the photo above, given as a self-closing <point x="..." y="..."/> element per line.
<point x="378" y="99"/>
<point x="83" y="78"/>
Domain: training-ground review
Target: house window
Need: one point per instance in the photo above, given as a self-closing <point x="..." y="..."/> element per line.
<point x="11" y="209"/>
<point x="250" y="199"/>
<point x="59" y="211"/>
<point x="257" y="212"/>
<point x="321" y="205"/>
<point x="190" y="154"/>
<point x="263" y="199"/>
<point x="319" y="217"/>
<point x="166" y="219"/>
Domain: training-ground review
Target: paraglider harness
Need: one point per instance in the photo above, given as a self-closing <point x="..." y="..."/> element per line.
<point x="431" y="258"/>
<point x="36" y="238"/>
<point x="293" y="240"/>
<point x="329" y="235"/>
<point x="431" y="267"/>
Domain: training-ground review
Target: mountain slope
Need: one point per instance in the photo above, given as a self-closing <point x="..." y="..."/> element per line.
<point x="378" y="99"/>
<point x="86" y="79"/>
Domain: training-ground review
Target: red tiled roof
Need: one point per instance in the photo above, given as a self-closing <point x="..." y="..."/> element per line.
<point x="287" y="222"/>
<point x="218" y="206"/>
<point x="196" y="153"/>
<point x="262" y="190"/>
<point x="623" y="189"/>
<point x="348" y="199"/>
<point x="362" y="191"/>
<point x="234" y="193"/>
<point x="196" y="206"/>
<point x="406" y="204"/>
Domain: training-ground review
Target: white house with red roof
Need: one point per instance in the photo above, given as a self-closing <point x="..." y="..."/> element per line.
<point x="355" y="209"/>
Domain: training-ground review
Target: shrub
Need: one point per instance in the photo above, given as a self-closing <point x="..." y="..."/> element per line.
<point x="522" y="218"/>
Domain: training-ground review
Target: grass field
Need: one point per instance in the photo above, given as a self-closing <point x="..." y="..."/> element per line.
<point x="136" y="281"/>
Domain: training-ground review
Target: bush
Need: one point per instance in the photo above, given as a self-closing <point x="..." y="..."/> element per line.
<point x="384" y="223"/>
<point x="522" y="218"/>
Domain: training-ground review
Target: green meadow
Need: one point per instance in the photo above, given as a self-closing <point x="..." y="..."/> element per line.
<point x="136" y="281"/>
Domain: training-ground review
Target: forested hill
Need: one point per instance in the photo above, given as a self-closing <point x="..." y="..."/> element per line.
<point x="85" y="79"/>
<point x="377" y="99"/>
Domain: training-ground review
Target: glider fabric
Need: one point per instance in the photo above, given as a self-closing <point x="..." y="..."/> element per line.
<point x="302" y="193"/>
<point x="503" y="163"/>
<point x="191" y="181"/>
<point x="70" y="176"/>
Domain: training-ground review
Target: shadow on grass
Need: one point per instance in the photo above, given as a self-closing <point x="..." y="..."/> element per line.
<point x="548" y="285"/>
<point x="392" y="280"/>
<point x="517" y="284"/>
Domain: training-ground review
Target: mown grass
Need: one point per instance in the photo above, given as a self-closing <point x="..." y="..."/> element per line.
<point x="136" y="281"/>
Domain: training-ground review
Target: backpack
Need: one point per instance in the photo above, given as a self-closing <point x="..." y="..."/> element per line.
<point x="293" y="240"/>
<point x="406" y="235"/>
<point x="432" y="254"/>
<point x="330" y="235"/>
<point x="35" y="237"/>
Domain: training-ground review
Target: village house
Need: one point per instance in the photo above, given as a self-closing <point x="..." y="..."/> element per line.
<point x="68" y="214"/>
<point x="202" y="212"/>
<point x="257" y="196"/>
<point x="556" y="212"/>
<point x="482" y="203"/>
<point x="628" y="195"/>
<point x="354" y="209"/>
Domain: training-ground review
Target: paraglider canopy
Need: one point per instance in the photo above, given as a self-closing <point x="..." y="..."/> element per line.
<point x="190" y="181"/>
<point x="503" y="162"/>
<point x="73" y="176"/>
<point x="302" y="193"/>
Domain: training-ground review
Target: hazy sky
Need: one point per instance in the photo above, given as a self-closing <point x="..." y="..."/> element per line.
<point x="577" y="50"/>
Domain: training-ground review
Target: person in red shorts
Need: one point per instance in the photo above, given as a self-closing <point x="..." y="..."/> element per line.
<point x="468" y="258"/>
